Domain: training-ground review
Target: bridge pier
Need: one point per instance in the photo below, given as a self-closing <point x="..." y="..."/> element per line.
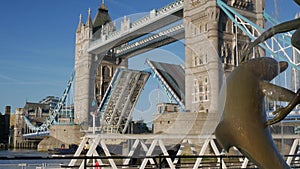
<point x="61" y="134"/>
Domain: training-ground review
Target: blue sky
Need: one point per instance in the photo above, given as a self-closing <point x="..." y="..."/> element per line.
<point x="37" y="42"/>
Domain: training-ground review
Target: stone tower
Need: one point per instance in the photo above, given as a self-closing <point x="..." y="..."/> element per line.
<point x="212" y="47"/>
<point x="92" y="74"/>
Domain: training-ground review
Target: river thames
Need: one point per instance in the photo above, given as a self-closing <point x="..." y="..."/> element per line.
<point x="9" y="160"/>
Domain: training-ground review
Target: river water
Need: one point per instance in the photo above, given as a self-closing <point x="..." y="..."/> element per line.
<point x="13" y="163"/>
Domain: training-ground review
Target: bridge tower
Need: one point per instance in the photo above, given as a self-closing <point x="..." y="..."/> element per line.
<point x="93" y="72"/>
<point x="213" y="46"/>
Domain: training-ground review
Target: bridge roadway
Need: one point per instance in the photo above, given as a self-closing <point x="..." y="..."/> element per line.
<point x="155" y="20"/>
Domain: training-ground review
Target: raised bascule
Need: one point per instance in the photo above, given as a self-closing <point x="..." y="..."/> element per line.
<point x="214" y="33"/>
<point x="117" y="105"/>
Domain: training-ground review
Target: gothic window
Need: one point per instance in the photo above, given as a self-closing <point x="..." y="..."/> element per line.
<point x="196" y="84"/>
<point x="199" y="59"/>
<point x="206" y="80"/>
<point x="201" y="89"/>
<point x="105" y="71"/>
<point x="201" y="98"/>
<point x="194" y="56"/>
<point x="196" y="91"/>
<point x="204" y="89"/>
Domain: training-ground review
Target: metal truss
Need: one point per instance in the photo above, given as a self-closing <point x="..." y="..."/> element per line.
<point x="53" y="114"/>
<point x="150" y="144"/>
<point x="163" y="37"/>
<point x="116" y="107"/>
<point x="277" y="46"/>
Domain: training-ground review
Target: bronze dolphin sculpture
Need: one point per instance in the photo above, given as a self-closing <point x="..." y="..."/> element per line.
<point x="243" y="122"/>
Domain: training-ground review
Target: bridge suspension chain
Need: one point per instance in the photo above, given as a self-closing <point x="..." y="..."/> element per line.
<point x="53" y="114"/>
<point x="252" y="30"/>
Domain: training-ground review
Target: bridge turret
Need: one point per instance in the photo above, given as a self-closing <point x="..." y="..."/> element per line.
<point x="79" y="24"/>
<point x="89" y="22"/>
<point x="88" y="29"/>
<point x="83" y="34"/>
<point x="90" y="84"/>
<point x="102" y="17"/>
<point x="125" y="25"/>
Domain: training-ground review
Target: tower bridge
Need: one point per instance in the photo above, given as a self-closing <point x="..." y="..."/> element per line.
<point x="94" y="45"/>
<point x="214" y="34"/>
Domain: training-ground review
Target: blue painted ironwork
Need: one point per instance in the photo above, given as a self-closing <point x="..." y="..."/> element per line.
<point x="103" y="104"/>
<point x="53" y="114"/>
<point x="232" y="14"/>
<point x="286" y="37"/>
<point x="155" y="38"/>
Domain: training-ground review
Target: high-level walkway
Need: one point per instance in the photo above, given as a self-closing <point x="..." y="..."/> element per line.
<point x="153" y="21"/>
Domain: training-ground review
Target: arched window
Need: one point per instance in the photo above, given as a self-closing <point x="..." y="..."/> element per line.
<point x="106" y="71"/>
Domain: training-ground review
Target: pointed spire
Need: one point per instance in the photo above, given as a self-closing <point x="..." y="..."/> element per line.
<point x="80" y="23"/>
<point x="102" y="17"/>
<point x="89" y="20"/>
<point x="103" y="7"/>
<point x="80" y="18"/>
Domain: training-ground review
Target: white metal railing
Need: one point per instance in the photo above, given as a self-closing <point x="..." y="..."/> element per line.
<point x="147" y="143"/>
